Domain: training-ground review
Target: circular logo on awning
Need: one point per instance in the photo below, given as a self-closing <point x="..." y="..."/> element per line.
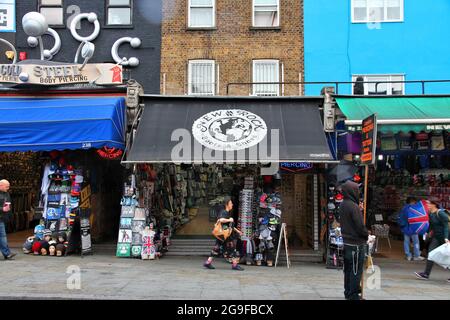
<point x="229" y="130"/>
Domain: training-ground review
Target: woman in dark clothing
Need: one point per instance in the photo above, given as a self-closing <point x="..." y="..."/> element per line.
<point x="229" y="245"/>
<point x="438" y="234"/>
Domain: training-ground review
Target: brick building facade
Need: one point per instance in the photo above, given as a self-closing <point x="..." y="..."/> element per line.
<point x="232" y="43"/>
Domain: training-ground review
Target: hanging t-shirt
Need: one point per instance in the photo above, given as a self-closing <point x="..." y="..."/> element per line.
<point x="44" y="187"/>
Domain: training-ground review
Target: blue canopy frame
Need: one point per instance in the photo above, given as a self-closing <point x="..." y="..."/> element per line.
<point x="45" y="124"/>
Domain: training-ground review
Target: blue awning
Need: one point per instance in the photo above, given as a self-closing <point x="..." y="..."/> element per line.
<point x="45" y="124"/>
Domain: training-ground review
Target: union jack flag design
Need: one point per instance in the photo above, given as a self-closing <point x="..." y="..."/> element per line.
<point x="418" y="218"/>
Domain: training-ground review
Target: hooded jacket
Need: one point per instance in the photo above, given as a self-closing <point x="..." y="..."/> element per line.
<point x="353" y="229"/>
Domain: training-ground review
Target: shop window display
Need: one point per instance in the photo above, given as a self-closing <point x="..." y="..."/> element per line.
<point x="160" y="200"/>
<point x="137" y="235"/>
<point x="335" y="243"/>
<point x="60" y="200"/>
<point x="23" y="170"/>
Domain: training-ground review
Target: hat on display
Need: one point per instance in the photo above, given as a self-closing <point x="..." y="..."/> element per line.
<point x="62" y="235"/>
<point x="60" y="248"/>
<point x="339" y="197"/>
<point x="28" y="245"/>
<point x="263" y="197"/>
<point x="47" y="232"/>
<point x="44" y="244"/>
<point x="331" y="206"/>
<point x="54" y="154"/>
<point x="265" y="221"/>
<point x="357" y="178"/>
<point x="36" y="247"/>
<point x="275" y="212"/>
<point x="62" y="162"/>
<point x="274" y="221"/>
<point x="76" y="189"/>
<point x="79" y="179"/>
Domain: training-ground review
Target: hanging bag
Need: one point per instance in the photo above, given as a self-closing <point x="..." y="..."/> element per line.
<point x="220" y="233"/>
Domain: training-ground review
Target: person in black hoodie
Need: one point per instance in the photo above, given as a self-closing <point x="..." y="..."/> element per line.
<point x="355" y="236"/>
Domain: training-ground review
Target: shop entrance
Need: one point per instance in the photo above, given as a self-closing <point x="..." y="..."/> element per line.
<point x="187" y="198"/>
<point x="300" y="210"/>
<point x="28" y="174"/>
<point x="200" y="191"/>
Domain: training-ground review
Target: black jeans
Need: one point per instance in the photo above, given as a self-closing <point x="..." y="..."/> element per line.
<point x="435" y="243"/>
<point x="354" y="257"/>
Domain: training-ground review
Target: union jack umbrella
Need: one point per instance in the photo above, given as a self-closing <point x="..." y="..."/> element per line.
<point x="418" y="218"/>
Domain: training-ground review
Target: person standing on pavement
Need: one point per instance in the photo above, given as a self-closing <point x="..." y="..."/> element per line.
<point x="407" y="235"/>
<point x="438" y="234"/>
<point x="5" y="208"/>
<point x="355" y="236"/>
<point x="229" y="244"/>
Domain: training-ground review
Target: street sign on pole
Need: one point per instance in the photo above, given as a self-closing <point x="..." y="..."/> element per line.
<point x="369" y="140"/>
<point x="368" y="157"/>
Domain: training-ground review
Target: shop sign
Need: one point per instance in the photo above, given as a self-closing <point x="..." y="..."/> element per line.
<point x="296" y="166"/>
<point x="229" y="130"/>
<point x="7" y="16"/>
<point x="60" y="74"/>
<point x="438" y="127"/>
<point x="110" y="153"/>
<point x="369" y="140"/>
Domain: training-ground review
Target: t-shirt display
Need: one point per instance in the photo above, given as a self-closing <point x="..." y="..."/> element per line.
<point x="61" y="192"/>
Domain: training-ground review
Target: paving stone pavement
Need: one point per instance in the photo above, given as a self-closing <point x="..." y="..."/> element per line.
<point x="106" y="277"/>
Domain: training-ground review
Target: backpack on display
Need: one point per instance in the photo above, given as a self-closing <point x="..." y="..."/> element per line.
<point x="388" y="142"/>
<point x="437" y="141"/>
<point x="422" y="141"/>
<point x="404" y="141"/>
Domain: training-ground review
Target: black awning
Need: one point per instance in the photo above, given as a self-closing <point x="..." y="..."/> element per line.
<point x="231" y="129"/>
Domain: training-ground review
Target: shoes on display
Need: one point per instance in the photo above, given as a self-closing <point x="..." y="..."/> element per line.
<point x="237" y="268"/>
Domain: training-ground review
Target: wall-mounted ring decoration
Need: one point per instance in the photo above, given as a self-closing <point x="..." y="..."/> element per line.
<point x="48" y="54"/>
<point x="92" y="18"/>
<point x="131" y="62"/>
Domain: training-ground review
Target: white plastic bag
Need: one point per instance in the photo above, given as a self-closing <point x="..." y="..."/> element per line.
<point x="441" y="256"/>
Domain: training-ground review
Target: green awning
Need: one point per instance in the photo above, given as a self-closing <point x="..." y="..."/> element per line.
<point x="398" y="114"/>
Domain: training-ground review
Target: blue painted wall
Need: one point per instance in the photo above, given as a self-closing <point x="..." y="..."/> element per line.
<point x="336" y="48"/>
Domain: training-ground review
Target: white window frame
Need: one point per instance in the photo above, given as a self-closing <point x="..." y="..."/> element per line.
<point x="213" y="76"/>
<point x="254" y="12"/>
<point x="401" y="19"/>
<point x="116" y="6"/>
<point x="388" y="85"/>
<point x="279" y="76"/>
<point x="53" y="6"/>
<point x="199" y="6"/>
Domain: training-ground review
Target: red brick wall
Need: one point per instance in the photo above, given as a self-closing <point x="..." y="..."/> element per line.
<point x="233" y="45"/>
